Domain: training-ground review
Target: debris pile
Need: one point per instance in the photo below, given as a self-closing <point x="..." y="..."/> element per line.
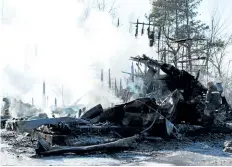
<point x="156" y="114"/>
<point x="228" y="146"/>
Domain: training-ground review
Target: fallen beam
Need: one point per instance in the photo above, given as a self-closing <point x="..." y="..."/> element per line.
<point x="93" y="112"/>
<point x="120" y="144"/>
<point x="52" y="139"/>
<point x="124" y="131"/>
<point x="29" y="125"/>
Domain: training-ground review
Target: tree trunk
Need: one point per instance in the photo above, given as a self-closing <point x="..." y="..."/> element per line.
<point x="188" y="36"/>
<point x="176" y="34"/>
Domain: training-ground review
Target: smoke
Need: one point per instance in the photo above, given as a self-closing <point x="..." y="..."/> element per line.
<point x="52" y="41"/>
<point x="100" y="95"/>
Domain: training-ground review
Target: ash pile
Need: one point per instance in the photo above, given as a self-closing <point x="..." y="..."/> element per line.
<point x="173" y="106"/>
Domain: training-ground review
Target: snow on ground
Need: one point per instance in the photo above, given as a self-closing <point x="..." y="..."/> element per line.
<point x="201" y="150"/>
<point x="9" y="158"/>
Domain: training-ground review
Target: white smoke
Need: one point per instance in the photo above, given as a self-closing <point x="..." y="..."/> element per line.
<point x="100" y="95"/>
<point x="50" y="40"/>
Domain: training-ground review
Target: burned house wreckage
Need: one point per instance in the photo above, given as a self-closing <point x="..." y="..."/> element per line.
<point x="174" y="106"/>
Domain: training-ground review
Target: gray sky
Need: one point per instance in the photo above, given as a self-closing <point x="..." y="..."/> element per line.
<point x="132" y="9"/>
<point x="224" y="11"/>
<point x="129" y="10"/>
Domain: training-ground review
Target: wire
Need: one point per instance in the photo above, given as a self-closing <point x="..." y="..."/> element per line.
<point x="175" y="135"/>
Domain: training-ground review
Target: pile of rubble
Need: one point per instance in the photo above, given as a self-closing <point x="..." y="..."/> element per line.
<point x="228" y="146"/>
<point x="156" y="114"/>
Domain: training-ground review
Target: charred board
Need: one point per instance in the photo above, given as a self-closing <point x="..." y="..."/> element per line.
<point x="93" y="112"/>
<point x="29" y="125"/>
<point x="118" y="145"/>
<point x="52" y="139"/>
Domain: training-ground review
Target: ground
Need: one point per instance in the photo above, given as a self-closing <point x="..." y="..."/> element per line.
<point x="200" y="150"/>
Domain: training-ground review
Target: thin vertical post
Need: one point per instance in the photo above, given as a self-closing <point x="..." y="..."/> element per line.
<point x="137" y="28"/>
<point x="43" y="95"/>
<point x="132" y="72"/>
<point x="159" y="36"/>
<point x="148" y="29"/>
<point x="142" y="31"/>
<point x="115" y="86"/>
<point x="44" y="88"/>
<point x="120" y="86"/>
<point x="80" y="111"/>
<point x="109" y="80"/>
<point x="145" y="68"/>
<point x="55" y="102"/>
<point x="62" y="95"/>
<point x="101" y="75"/>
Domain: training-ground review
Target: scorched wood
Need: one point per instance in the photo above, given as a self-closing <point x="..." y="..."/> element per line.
<point x="93" y="112"/>
<point x="118" y="145"/>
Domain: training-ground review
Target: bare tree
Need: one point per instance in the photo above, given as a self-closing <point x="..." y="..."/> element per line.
<point x="101" y="5"/>
<point x="219" y="55"/>
<point x="217" y="47"/>
<point x="87" y="9"/>
<point x="217" y="44"/>
<point x="106" y="6"/>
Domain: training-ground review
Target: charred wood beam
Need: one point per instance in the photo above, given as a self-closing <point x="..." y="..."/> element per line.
<point x="93" y="112"/>
<point x="180" y="41"/>
<point x="167" y="68"/>
<point x="136" y="75"/>
<point x="182" y="78"/>
<point x="146" y="60"/>
<point x="29" y="125"/>
<point x="45" y="149"/>
<point x="142" y="23"/>
<point x="139" y="69"/>
<point x="185" y="40"/>
<point x="124" y="131"/>
<point x="193" y="59"/>
<point x="52" y="139"/>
